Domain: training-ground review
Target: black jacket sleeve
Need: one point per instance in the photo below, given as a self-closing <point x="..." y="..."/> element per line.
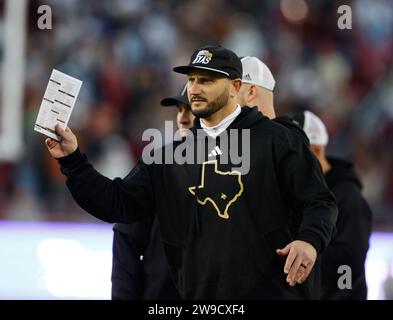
<point x="119" y="200"/>
<point x="304" y="187"/>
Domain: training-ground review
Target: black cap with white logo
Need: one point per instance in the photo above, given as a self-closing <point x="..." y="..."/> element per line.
<point x="173" y="101"/>
<point x="216" y="59"/>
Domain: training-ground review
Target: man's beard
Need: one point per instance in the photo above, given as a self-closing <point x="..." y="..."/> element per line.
<point x="213" y="106"/>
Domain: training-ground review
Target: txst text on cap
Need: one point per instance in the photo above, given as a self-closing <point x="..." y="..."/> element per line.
<point x="173" y="101"/>
<point x="256" y="72"/>
<point x="313" y="127"/>
<point x="214" y="58"/>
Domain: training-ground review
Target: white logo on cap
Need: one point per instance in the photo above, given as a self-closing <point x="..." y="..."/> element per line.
<point x="203" y="56"/>
<point x="247" y="77"/>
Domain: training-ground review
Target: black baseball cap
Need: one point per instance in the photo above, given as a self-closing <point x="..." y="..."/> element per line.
<point x="216" y="59"/>
<point x="173" y="101"/>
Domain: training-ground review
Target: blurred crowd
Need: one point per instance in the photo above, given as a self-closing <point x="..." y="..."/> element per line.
<point x="124" y="51"/>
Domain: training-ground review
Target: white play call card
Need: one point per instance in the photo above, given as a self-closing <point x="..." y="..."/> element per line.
<point x="58" y="102"/>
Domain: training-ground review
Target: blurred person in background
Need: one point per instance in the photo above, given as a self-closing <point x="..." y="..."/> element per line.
<point x="350" y="244"/>
<point x="139" y="266"/>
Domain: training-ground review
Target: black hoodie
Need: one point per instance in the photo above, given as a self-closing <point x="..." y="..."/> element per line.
<point x="350" y="244"/>
<point x="220" y="228"/>
<point x="149" y="279"/>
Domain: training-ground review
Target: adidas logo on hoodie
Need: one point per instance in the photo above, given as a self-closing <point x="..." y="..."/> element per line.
<point x="216" y="151"/>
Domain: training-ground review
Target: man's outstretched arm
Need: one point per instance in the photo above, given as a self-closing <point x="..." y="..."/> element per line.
<point x="118" y="200"/>
<point x="315" y="208"/>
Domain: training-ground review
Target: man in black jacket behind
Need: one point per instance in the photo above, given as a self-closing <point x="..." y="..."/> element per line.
<point x="350" y="244"/>
<point x="223" y="214"/>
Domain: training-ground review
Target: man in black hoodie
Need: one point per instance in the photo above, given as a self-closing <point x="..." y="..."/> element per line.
<point x="350" y="244"/>
<point x="223" y="214"/>
<point x="139" y="266"/>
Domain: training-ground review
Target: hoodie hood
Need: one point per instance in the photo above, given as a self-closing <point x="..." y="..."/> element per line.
<point x="247" y="118"/>
<point x="341" y="170"/>
<point x="291" y="124"/>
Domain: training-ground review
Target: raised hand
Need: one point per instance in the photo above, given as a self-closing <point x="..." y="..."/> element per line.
<point x="67" y="145"/>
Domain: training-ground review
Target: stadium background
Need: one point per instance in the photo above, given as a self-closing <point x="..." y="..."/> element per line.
<point x="124" y="51"/>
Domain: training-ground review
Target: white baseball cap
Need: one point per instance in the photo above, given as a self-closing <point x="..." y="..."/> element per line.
<point x="256" y="72"/>
<point x="313" y="127"/>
